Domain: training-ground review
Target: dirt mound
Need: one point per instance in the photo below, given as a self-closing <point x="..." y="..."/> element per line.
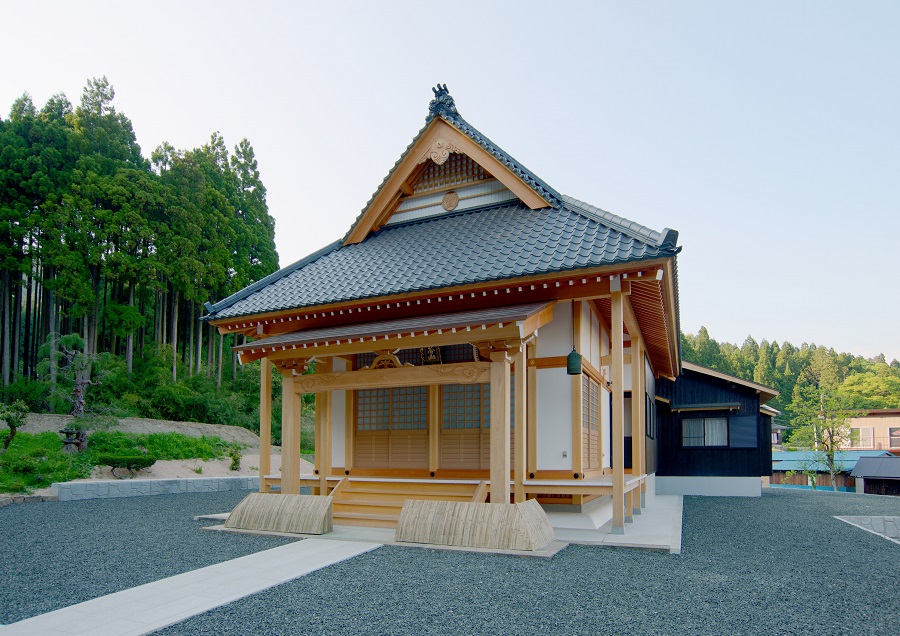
<point x="40" y="422"/>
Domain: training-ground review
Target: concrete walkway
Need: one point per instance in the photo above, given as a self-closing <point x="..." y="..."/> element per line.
<point x="887" y="527"/>
<point x="146" y="608"/>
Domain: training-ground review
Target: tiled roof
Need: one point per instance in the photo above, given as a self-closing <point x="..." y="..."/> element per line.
<point x="496" y="243"/>
<point x="885" y="467"/>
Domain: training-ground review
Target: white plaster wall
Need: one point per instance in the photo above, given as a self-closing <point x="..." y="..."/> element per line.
<point x="338" y="428"/>
<point x="596" y="337"/>
<point x="710" y="486"/>
<point x="555" y="339"/>
<point x="338" y="412"/>
<point x="606" y="426"/>
<point x="554" y="418"/>
<point x="627" y="382"/>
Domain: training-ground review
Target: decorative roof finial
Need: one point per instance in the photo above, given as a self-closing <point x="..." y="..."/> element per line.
<point x="443" y="103"/>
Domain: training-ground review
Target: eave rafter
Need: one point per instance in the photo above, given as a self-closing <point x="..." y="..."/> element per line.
<point x="584" y="285"/>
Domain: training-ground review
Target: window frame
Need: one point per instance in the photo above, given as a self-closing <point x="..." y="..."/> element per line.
<point x="705" y="434"/>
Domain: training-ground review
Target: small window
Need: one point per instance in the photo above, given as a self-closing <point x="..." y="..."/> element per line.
<point x="704" y="431"/>
<point x="650" y="423"/>
<point x="894" y="434"/>
<point x="862" y="437"/>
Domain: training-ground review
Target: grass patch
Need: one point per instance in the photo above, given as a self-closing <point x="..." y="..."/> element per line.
<point x="36" y="461"/>
<point x="160" y="445"/>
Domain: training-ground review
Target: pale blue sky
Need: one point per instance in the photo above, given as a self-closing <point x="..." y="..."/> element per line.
<point x="766" y="133"/>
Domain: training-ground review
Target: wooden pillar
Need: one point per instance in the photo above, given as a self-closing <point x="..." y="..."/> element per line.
<point x="323" y="430"/>
<point x="290" y="436"/>
<point x="500" y="464"/>
<point x="577" y="404"/>
<point x="521" y="393"/>
<point x="434" y="426"/>
<point x="531" y="401"/>
<point x="349" y="428"/>
<point x="617" y="375"/>
<point x="265" y="422"/>
<point x="638" y="420"/>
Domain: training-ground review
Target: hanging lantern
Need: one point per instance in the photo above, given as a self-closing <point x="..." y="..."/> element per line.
<point x="573" y="363"/>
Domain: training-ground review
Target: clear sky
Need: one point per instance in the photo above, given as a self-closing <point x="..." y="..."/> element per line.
<point x="766" y="133"/>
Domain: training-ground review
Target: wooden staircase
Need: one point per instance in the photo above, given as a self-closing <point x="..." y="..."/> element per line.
<point x="377" y="502"/>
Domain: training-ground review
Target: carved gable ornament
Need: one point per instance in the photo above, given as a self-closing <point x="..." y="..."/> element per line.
<point x="439" y="151"/>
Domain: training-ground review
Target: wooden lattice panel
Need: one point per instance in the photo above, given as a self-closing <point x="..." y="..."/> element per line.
<point x="295" y="514"/>
<point x="456" y="171"/>
<point x="498" y="526"/>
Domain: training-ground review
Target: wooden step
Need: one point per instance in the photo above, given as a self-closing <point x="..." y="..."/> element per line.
<point x="366" y="519"/>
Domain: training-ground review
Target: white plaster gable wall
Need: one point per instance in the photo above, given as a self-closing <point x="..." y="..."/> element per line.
<point x="596" y="339"/>
<point x="338" y="415"/>
<point x="627" y="378"/>
<point x="554" y="418"/>
<point x="555" y="338"/>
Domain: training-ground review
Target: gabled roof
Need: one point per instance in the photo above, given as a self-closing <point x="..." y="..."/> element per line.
<point x="765" y="393"/>
<point x="884" y="467"/>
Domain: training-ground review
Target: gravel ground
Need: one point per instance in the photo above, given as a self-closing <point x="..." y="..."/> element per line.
<point x="775" y="565"/>
<point x="60" y="553"/>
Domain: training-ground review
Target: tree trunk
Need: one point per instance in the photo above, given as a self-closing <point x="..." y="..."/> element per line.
<point x="6" y="328"/>
<point x="190" y="346"/>
<point x="219" y="374"/>
<point x="16" y="324"/>
<point x="210" y="353"/>
<point x="129" y="341"/>
<point x="174" y="336"/>
<point x="200" y="349"/>
<point x="26" y="349"/>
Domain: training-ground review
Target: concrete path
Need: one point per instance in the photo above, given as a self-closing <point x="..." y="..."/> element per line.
<point x="887" y="527"/>
<point x="658" y="527"/>
<point x="149" y="607"/>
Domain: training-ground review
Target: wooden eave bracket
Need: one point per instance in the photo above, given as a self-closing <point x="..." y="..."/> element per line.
<point x="398" y="184"/>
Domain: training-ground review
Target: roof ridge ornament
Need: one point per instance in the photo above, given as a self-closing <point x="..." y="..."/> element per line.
<point x="442" y="104"/>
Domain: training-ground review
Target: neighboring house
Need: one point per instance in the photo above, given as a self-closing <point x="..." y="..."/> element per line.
<point x="474" y="327"/>
<point x="797" y="462"/>
<point x="714" y="434"/>
<point x="878" y="429"/>
<point x="877" y="475"/>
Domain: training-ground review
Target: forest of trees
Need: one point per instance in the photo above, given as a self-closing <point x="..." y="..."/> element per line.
<point x="806" y="376"/>
<point x="106" y="257"/>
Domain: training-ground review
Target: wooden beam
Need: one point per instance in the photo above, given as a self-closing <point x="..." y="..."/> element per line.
<point x="265" y="423"/>
<point x="521" y="396"/>
<point x="617" y="372"/>
<point x="290" y="437"/>
<point x="531" y="433"/>
<point x="434" y="427"/>
<point x="393" y="341"/>
<point x="457" y="373"/>
<point x="500" y="464"/>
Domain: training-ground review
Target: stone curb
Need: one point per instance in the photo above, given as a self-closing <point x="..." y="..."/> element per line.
<point x="76" y="490"/>
<point x="6" y="500"/>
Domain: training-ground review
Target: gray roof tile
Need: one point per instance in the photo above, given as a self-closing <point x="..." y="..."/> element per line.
<point x="497" y="243"/>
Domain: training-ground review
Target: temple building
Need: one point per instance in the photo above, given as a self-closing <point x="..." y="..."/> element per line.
<point x="476" y="336"/>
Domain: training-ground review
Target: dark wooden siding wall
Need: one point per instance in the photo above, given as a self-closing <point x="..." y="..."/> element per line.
<point x="652" y="443"/>
<point x="694" y="388"/>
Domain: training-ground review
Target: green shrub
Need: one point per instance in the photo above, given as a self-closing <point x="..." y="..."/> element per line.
<point x="160" y="445"/>
<point x="234" y="453"/>
<point x="131" y="462"/>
